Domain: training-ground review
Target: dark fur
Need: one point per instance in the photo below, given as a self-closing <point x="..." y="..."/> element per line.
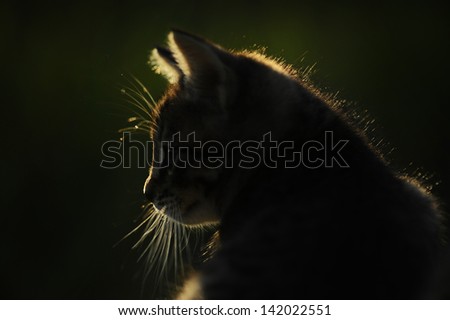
<point x="361" y="232"/>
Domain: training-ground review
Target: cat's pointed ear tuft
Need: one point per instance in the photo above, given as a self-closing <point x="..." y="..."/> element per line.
<point x="164" y="63"/>
<point x="197" y="59"/>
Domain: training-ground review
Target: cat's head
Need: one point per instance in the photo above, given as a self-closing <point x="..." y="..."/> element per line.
<point x="210" y="98"/>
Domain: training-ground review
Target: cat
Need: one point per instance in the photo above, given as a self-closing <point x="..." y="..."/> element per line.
<point x="345" y="227"/>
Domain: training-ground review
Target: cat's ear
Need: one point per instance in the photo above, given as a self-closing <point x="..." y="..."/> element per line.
<point x="190" y="59"/>
<point x="164" y="63"/>
<point x="197" y="59"/>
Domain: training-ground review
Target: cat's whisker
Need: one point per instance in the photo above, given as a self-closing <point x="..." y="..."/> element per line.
<point x="166" y="244"/>
<point x="152" y="225"/>
<point x="151" y="265"/>
<point x="142" y="104"/>
<point x="157" y="250"/>
<point x="143" y="124"/>
<point x="136" y="102"/>
<point x="134" y="128"/>
<point x="140" y="92"/>
<point x="137" y="85"/>
<point x="137" y="114"/>
<point x="179" y="249"/>
<point x="167" y="251"/>
<point x="139" y="226"/>
<point x="144" y="236"/>
<point x="139" y="88"/>
<point x="144" y="88"/>
<point x="176" y="247"/>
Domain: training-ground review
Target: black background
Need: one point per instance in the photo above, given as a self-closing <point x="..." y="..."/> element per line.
<point x="62" y="66"/>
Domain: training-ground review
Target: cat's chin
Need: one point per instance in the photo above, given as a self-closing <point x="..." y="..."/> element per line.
<point x="199" y="213"/>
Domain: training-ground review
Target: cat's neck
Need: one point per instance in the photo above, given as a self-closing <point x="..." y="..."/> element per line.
<point x="308" y="119"/>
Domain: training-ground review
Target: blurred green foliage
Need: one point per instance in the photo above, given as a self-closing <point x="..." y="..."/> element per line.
<point x="62" y="66"/>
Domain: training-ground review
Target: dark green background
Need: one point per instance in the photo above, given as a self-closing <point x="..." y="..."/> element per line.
<point x="60" y="79"/>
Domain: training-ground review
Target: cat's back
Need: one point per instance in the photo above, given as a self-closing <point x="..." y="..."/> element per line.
<point x="349" y="232"/>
